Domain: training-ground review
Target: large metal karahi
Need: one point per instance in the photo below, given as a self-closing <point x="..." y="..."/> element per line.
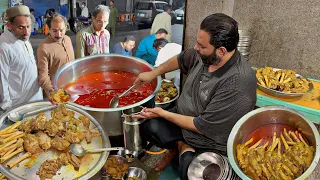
<point x="272" y="115"/>
<point x="89" y="168"/>
<point x="109" y="118"/>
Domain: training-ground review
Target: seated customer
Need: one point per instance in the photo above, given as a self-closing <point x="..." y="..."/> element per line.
<point x="146" y="51"/>
<point x="125" y="47"/>
<point x="165" y="52"/>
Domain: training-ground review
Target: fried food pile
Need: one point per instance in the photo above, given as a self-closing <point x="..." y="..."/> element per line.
<point x="282" y="80"/>
<point x="59" y="96"/>
<point x="3" y="177"/>
<point x="116" y="168"/>
<point x="167" y="92"/>
<point x="11" y="144"/>
<point x="40" y="134"/>
<point x="280" y="161"/>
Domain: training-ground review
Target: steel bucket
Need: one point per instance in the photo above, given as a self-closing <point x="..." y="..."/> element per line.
<point x="109" y="118"/>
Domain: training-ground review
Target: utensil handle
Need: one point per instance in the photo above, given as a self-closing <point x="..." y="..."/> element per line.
<point x="40" y="110"/>
<point x="105" y="149"/>
<point x="124" y="93"/>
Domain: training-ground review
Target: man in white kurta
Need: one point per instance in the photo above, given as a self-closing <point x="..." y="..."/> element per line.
<point x="163" y="20"/>
<point x="164" y="54"/>
<point x="18" y="68"/>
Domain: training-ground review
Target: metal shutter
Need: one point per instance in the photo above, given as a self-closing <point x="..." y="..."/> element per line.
<point x="40" y="6"/>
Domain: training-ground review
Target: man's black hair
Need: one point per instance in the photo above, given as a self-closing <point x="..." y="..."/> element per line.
<point x="160" y="43"/>
<point x="223" y="31"/>
<point x="166" y="7"/>
<point x="161" y="31"/>
<point x="129" y="38"/>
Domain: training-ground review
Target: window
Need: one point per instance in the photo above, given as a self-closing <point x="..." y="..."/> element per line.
<point x="144" y="6"/>
<point x="160" y="6"/>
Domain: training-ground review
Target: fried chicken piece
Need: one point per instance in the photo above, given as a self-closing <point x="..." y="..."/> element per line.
<point x="39" y="123"/>
<point x="59" y="143"/>
<point x="62" y="114"/>
<point x="52" y="127"/>
<point x="85" y="121"/>
<point x="48" y="169"/>
<point x="26" y="126"/>
<point x="74" y="137"/>
<point x="44" y="140"/>
<point x="31" y="144"/>
<point x="74" y="161"/>
<point x="90" y="135"/>
<point x="63" y="159"/>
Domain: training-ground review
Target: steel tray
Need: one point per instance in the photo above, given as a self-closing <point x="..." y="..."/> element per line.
<point x="280" y="94"/>
<point x="90" y="163"/>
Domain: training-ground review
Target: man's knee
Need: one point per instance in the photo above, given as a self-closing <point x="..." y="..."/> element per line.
<point x="151" y="127"/>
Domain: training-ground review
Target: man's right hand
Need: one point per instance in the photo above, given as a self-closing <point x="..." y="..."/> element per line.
<point x="145" y="77"/>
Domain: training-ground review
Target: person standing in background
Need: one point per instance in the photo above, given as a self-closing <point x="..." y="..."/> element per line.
<point x="78" y="9"/>
<point x="55" y="51"/>
<point x="125" y="47"/>
<point x="18" y="67"/>
<point x="95" y="38"/>
<point x="85" y="10"/>
<point x="163" y="20"/>
<point x="112" y="19"/>
<point x="33" y="22"/>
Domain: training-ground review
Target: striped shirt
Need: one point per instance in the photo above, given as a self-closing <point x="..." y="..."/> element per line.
<point x="216" y="99"/>
<point x="89" y="43"/>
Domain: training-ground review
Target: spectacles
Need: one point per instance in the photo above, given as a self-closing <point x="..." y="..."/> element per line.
<point x="101" y="22"/>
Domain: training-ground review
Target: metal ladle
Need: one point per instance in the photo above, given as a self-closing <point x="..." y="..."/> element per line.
<point x="115" y="100"/>
<point x="16" y="116"/>
<point x="79" y="151"/>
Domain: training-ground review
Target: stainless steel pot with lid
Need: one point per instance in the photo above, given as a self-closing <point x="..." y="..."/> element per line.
<point x="109" y="118"/>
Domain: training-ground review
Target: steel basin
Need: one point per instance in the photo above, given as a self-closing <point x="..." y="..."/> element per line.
<point x="109" y="118"/>
<point x="272" y="115"/>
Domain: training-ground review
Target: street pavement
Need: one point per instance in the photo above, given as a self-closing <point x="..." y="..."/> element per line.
<point x="122" y="30"/>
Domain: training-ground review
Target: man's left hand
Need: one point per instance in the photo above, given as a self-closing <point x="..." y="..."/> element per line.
<point x="149" y="113"/>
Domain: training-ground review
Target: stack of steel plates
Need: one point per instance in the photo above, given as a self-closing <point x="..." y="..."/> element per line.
<point x="211" y="166"/>
<point x="244" y="43"/>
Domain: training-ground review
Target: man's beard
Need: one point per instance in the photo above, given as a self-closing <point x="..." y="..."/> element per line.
<point x="23" y="37"/>
<point x="211" y="59"/>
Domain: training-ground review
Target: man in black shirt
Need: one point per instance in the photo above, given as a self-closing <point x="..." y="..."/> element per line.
<point x="219" y="89"/>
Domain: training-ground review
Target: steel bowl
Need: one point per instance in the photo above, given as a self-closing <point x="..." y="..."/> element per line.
<point x="207" y="165"/>
<point x="120" y="160"/>
<point x="109" y="118"/>
<point x="166" y="105"/>
<point x="272" y="115"/>
<point x="137" y="172"/>
<point x="281" y="94"/>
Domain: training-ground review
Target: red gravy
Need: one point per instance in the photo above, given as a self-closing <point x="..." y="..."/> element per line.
<point x="266" y="133"/>
<point x="96" y="90"/>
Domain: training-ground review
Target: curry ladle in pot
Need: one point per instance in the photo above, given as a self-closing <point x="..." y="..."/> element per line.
<point x="115" y="100"/>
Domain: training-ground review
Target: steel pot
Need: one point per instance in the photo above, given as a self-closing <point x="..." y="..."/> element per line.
<point x="272" y="115"/>
<point x="109" y="118"/>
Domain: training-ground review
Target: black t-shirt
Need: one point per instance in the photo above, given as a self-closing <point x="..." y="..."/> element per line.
<point x="217" y="100"/>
